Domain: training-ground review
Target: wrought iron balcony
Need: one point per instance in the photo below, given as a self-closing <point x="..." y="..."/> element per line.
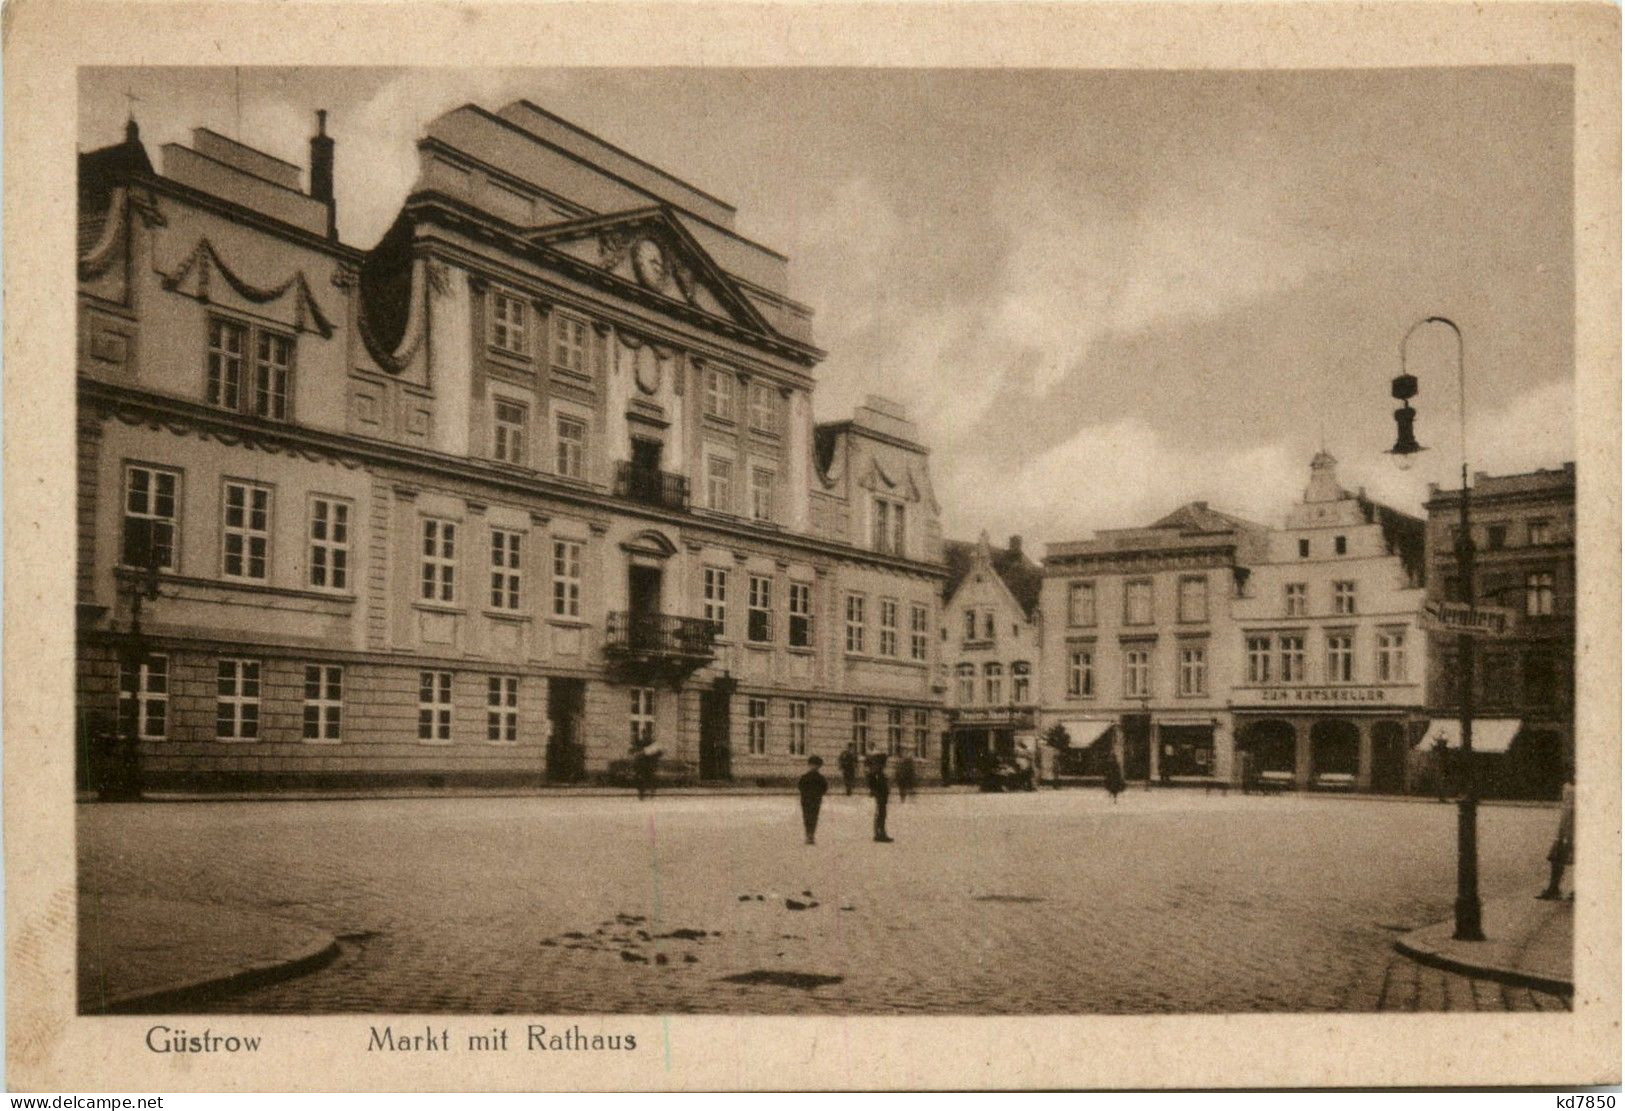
<point x="660" y="636"/>
<point x="651" y="486"/>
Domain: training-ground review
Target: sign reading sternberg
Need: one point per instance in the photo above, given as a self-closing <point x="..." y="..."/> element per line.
<point x="1458" y="617"/>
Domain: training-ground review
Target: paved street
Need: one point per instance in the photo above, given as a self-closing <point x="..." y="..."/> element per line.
<point x="1054" y="902"/>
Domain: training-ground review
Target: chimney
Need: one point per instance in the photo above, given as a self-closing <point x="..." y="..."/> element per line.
<point x="321" y="171"/>
<point x="1015" y="545"/>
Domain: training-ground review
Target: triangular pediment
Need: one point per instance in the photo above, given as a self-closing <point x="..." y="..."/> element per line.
<point x="651" y="252"/>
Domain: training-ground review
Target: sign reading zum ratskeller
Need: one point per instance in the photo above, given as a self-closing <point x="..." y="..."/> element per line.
<point x="1325" y="694"/>
<point x="1459" y="617"/>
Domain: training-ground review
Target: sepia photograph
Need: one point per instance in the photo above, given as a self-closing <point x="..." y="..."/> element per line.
<point x="627" y="559"/>
<point x="604" y="541"/>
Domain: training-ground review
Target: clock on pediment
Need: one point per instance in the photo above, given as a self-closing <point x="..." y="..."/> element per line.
<point x="649" y="262"/>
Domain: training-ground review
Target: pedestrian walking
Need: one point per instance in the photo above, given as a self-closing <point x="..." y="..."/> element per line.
<point x="645" y="762"/>
<point x="848" y="761"/>
<point x="906" y="780"/>
<point x="1441" y="753"/>
<point x="1249" y="772"/>
<point x="880" y="789"/>
<point x="1114" y="776"/>
<point x="1562" y="852"/>
<point x="812" y="786"/>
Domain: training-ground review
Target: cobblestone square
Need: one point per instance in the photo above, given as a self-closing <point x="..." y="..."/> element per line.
<point x="1057" y="902"/>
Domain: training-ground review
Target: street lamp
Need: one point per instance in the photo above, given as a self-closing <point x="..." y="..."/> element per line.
<point x="1469" y="909"/>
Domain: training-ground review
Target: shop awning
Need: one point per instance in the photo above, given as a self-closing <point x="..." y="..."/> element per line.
<point x="1489" y="734"/>
<point x="1083" y="732"/>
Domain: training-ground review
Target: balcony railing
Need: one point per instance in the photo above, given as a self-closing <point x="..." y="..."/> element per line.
<point x="652" y="635"/>
<point x="651" y="486"/>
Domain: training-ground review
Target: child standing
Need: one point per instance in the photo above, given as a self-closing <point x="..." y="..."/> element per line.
<point x="812" y="787"/>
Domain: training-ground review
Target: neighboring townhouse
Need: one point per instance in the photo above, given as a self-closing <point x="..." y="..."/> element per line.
<point x="991" y="643"/>
<point x="532" y="479"/>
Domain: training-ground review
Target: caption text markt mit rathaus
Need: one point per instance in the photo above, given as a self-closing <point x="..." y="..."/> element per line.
<point x="386" y="1040"/>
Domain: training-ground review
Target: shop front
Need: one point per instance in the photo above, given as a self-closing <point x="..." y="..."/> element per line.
<point x="1346" y="749"/>
<point x="980" y="740"/>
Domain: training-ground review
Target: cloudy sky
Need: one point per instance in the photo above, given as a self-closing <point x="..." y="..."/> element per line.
<point x="1100" y="293"/>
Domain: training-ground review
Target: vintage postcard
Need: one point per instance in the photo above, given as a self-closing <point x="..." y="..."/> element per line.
<point x="685" y="547"/>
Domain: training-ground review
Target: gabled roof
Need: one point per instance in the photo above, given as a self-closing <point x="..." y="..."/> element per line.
<point x="1021" y="576"/>
<point x="101" y="169"/>
<point x="1197" y="517"/>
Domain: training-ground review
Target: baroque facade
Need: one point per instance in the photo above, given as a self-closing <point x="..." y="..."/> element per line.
<point x="534" y="478"/>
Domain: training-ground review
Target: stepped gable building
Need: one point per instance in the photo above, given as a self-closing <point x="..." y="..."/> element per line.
<point x="535" y="477"/>
<point x="1330" y="688"/>
<point x="1139" y="647"/>
<point x="991" y="642"/>
<point x="1523" y="535"/>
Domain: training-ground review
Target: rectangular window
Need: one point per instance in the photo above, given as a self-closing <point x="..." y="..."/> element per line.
<point x="570" y="344"/>
<point x="566" y="578"/>
<point x="719" y="393"/>
<point x="1192" y="670"/>
<point x="273" y="364"/>
<point x="150" y="501"/>
<point x="764" y="408"/>
<point x="1137" y="602"/>
<point x="1193" y="598"/>
<point x="1391" y="655"/>
<point x="434" y="706"/>
<point x="508" y="423"/>
<point x="1342" y="597"/>
<point x="502" y="709"/>
<point x="570" y="447"/>
<point x="860" y="729"/>
<point x="1080" y="674"/>
<point x="1303" y="547"/>
<point x="966" y="674"/>
<point x="894" y="730"/>
<point x="1080" y="604"/>
<point x="505" y="569"/>
<point x="642" y="718"/>
<point x="329" y="543"/>
<point x="438" y="581"/>
<point x="719" y="484"/>
<point x="756" y="726"/>
<point x="1020" y="683"/>
<point x="919" y="631"/>
<point x="246" y="531"/>
<point x="716" y="598"/>
<point x="1297" y="599"/>
<point x="887" y="529"/>
<point x="1339" y="657"/>
<point x="801" y="618"/>
<point x="857" y="622"/>
<point x="1259" y="650"/>
<point x="1292" y="658"/>
<point x="888" y="627"/>
<point x="993" y="683"/>
<point x="798" y="728"/>
<point x="324" y="702"/>
<point x="759" y="616"/>
<point x="143" y="698"/>
<point x="989" y="629"/>
<point x="237" y="701"/>
<point x="228" y="342"/>
<point x="1137" y="673"/>
<point x="508" y="321"/>
<point x="1340" y="545"/>
<point x="922" y="733"/>
<point x="1538" y="594"/>
<point x="761" y="493"/>
<point x="1540" y="532"/>
<point x="1495" y="537"/>
<point x="970" y="624"/>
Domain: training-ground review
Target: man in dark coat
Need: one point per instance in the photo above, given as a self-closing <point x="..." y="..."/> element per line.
<point x="1114" y="776"/>
<point x="906" y="779"/>
<point x="849" y="767"/>
<point x="812" y="787"/>
<point x="645" y="759"/>
<point x="880" y="788"/>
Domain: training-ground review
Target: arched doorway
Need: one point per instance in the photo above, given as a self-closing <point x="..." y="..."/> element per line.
<point x="1388" y="755"/>
<point x="1272" y="745"/>
<point x="1334" y="748"/>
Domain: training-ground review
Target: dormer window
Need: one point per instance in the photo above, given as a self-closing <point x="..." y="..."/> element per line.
<point x="887" y="528"/>
<point x="261" y="389"/>
<point x="508" y="323"/>
<point x="570" y="344"/>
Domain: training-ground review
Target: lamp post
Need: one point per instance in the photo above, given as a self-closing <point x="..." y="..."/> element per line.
<point x="1469" y="909"/>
